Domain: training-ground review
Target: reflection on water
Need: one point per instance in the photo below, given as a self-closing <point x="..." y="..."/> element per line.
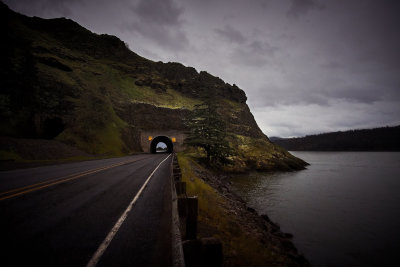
<point x="344" y="210"/>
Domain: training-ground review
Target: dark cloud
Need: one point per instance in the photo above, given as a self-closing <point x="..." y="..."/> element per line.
<point x="43" y="7"/>
<point x="165" y="37"/>
<point x="255" y="54"/>
<point x="271" y="95"/>
<point x="355" y="94"/>
<point x="262" y="48"/>
<point x="161" y="22"/>
<point x="374" y="30"/>
<point x="231" y="35"/>
<point x="301" y="7"/>
<point x="334" y="65"/>
<point x="160" y="13"/>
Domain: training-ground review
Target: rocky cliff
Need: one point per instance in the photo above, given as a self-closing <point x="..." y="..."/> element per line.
<point x="60" y="81"/>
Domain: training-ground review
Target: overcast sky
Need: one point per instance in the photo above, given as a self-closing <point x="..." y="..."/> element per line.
<point x="307" y="66"/>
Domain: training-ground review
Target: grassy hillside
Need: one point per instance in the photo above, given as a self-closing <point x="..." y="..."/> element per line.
<point x="61" y="82"/>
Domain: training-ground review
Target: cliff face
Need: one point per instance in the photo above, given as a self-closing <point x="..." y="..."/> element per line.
<point x="60" y="81"/>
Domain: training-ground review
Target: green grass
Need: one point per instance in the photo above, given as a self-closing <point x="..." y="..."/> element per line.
<point x="232" y="105"/>
<point x="169" y="99"/>
<point x="100" y="138"/>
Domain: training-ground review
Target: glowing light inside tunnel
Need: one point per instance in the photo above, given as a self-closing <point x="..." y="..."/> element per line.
<point x="161" y="146"/>
<point x="173" y="139"/>
<point x="150" y="138"/>
<point x="161" y="143"/>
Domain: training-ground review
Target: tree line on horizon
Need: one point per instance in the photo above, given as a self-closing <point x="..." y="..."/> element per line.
<point x="377" y="139"/>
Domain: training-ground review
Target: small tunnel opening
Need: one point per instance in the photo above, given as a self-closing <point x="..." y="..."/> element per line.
<point x="161" y="144"/>
<point x="52" y="127"/>
<point x="161" y="147"/>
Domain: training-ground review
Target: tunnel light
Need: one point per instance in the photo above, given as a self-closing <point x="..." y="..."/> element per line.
<point x="150" y="138"/>
<point x="173" y="139"/>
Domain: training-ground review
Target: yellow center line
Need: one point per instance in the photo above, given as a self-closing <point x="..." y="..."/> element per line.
<point x="51" y="182"/>
<point x="45" y="182"/>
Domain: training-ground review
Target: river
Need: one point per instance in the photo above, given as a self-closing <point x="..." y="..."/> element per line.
<point x="343" y="210"/>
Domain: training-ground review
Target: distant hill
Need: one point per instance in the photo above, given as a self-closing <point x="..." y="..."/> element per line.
<point x="378" y="139"/>
<point x="61" y="82"/>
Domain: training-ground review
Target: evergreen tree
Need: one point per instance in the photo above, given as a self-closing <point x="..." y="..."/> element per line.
<point x="208" y="131"/>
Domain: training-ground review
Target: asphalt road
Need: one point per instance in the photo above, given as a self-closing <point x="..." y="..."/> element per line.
<point x="65" y="215"/>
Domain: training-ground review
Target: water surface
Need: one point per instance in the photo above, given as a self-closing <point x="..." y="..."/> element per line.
<point x="344" y="210"/>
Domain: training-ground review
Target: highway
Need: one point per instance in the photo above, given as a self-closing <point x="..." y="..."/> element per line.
<point x="110" y="212"/>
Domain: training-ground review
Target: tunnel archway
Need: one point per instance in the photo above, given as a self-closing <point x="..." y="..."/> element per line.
<point x="161" y="139"/>
<point x="52" y="127"/>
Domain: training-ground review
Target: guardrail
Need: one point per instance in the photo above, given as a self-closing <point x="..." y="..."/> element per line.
<point x="189" y="250"/>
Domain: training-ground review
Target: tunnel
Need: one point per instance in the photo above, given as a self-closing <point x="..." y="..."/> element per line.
<point x="161" y="139"/>
<point x="52" y="127"/>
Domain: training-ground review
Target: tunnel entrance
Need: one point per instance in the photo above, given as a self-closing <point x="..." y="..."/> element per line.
<point x="52" y="127"/>
<point x="157" y="142"/>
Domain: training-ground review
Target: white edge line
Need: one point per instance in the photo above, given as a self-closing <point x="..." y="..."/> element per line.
<point x="99" y="252"/>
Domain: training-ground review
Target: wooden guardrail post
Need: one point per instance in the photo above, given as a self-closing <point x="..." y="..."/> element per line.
<point x="197" y="252"/>
<point x="188" y="212"/>
<point x="191" y="220"/>
<point x="211" y="251"/>
<point x="180" y="188"/>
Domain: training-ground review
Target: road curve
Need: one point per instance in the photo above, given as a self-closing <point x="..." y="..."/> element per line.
<point x="62" y="215"/>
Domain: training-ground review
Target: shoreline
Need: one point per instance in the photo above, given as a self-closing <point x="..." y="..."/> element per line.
<point x="244" y="228"/>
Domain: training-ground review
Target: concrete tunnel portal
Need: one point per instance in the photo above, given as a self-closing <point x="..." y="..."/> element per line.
<point x="161" y="139"/>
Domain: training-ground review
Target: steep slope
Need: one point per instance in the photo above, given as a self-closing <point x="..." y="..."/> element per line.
<point x="60" y="81"/>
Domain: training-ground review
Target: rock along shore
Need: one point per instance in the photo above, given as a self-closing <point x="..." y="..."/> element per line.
<point x="268" y="233"/>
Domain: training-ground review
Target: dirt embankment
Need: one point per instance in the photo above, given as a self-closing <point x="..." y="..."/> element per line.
<point x="248" y="239"/>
